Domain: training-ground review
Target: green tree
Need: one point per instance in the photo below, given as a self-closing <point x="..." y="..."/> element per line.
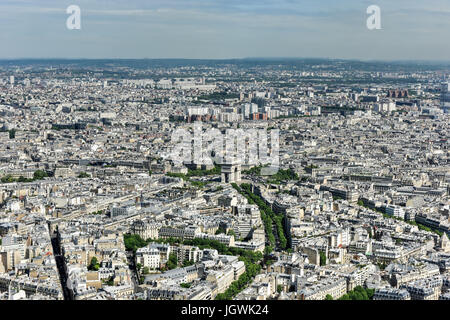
<point x="187" y="263"/>
<point x="221" y="230"/>
<point x="110" y="281"/>
<point x="133" y="242"/>
<point x="39" y="175"/>
<point x="357" y="296"/>
<point x="172" y="263"/>
<point x="231" y="233"/>
<point x="145" y="270"/>
<point x="94" y="265"/>
<point x="83" y="175"/>
<point x="12" y="133"/>
<point x="323" y="258"/>
<point x="328" y="297"/>
<point x="268" y="250"/>
<point x="22" y="179"/>
<point x="370" y="293"/>
<point x="358" y="293"/>
<point x="7" y="179"/>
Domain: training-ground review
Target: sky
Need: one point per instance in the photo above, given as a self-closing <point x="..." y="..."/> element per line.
<point x="223" y="29"/>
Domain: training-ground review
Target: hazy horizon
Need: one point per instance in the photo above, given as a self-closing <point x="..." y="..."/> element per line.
<point x="412" y="61"/>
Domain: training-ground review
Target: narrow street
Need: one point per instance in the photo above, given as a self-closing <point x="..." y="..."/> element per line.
<point x="132" y="266"/>
<point x="61" y="264"/>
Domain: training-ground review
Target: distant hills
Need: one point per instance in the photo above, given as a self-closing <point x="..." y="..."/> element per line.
<point x="301" y="63"/>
